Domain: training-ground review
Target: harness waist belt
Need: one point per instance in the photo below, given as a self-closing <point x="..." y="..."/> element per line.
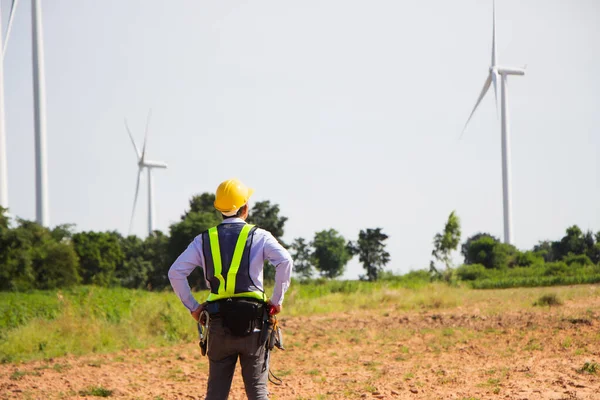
<point x="214" y="307"/>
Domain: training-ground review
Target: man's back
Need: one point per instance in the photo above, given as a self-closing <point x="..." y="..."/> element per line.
<point x="232" y="256"/>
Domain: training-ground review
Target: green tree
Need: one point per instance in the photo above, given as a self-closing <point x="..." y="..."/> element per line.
<point x="99" y="254"/>
<point x="527" y="258"/>
<point x="266" y="216"/>
<point x="32" y="258"/>
<point x="505" y="255"/>
<point x="594" y="253"/>
<point x="330" y="254"/>
<point x="63" y="232"/>
<point x="132" y="272"/>
<point x="202" y="203"/>
<point x="573" y="242"/>
<point x="301" y="253"/>
<point x="487" y="250"/>
<point x="446" y="242"/>
<point x="478" y="248"/>
<point x="9" y="268"/>
<point x="156" y="247"/>
<point x="57" y="266"/>
<point x="16" y="256"/>
<point x="371" y="252"/>
<point x="546" y="250"/>
<point x="4" y="219"/>
<point x="184" y="232"/>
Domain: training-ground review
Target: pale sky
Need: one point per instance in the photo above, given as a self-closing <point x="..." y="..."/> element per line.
<point x="345" y="113"/>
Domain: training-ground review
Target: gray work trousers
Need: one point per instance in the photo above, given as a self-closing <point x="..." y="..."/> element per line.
<point x="223" y="352"/>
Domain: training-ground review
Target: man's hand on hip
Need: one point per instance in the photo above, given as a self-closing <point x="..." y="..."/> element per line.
<point x="273" y="308"/>
<point x="196" y="313"/>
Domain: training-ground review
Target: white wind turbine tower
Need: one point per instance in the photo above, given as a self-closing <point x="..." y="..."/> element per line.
<point x="496" y="71"/>
<point x="144" y="163"/>
<point x="39" y="102"/>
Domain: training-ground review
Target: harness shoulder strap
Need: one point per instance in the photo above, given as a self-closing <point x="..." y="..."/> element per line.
<point x="237" y="258"/>
<point x="215" y="249"/>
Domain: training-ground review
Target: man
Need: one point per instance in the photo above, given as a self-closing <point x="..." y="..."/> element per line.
<point x="232" y="257"/>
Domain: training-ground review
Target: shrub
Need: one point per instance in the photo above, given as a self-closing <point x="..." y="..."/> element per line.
<point x="97" y="391"/>
<point x="412" y="279"/>
<point x="470" y="272"/>
<point x="527" y="259"/>
<point x="589" y="368"/>
<point x="548" y="300"/>
<point x="57" y="266"/>
<point x="577" y="259"/>
<point x="487" y="250"/>
<point x="556" y="269"/>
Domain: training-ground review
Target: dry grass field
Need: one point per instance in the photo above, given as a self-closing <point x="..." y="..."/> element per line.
<point x="454" y="344"/>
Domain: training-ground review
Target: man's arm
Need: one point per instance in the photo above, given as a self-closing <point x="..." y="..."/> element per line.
<point x="282" y="260"/>
<point x="182" y="268"/>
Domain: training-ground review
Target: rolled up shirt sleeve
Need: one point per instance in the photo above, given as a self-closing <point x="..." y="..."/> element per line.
<point x="282" y="260"/>
<point x="182" y="268"/>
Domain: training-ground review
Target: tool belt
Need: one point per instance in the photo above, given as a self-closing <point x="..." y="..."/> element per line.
<point x="240" y="316"/>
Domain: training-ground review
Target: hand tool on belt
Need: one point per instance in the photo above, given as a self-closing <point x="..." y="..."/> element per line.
<point x="271" y="337"/>
<point x="203" y="329"/>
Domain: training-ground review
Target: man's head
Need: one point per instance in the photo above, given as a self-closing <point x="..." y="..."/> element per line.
<point x="231" y="199"/>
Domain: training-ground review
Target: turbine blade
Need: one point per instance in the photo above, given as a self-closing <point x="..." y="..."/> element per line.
<point x="495" y="80"/>
<point x="137" y="189"/>
<point x="146" y="134"/>
<point x="494" y="55"/>
<point x="486" y="86"/>
<point x="137" y="152"/>
<point x="11" y="17"/>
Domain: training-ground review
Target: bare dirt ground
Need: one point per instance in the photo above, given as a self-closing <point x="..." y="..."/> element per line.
<point x="385" y="354"/>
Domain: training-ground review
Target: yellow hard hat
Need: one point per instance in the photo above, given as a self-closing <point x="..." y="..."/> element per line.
<point x="232" y="195"/>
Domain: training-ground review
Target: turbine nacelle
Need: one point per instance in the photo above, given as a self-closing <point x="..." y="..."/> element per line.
<point x="510" y="71"/>
<point x="152" y="164"/>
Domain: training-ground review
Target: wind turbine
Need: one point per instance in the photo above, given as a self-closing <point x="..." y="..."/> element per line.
<point x="149" y="165"/>
<point x="3" y="162"/>
<point x="496" y="71"/>
<point x="39" y="103"/>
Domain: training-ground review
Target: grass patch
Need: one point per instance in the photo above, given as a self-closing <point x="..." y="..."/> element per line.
<point x="97" y="391"/>
<point x="18" y="375"/>
<point x="90" y="320"/>
<point x="61" y="367"/>
<point x="535" y="281"/>
<point x="550" y="300"/>
<point x="533" y="345"/>
<point x="589" y="368"/>
<point x="285" y="372"/>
